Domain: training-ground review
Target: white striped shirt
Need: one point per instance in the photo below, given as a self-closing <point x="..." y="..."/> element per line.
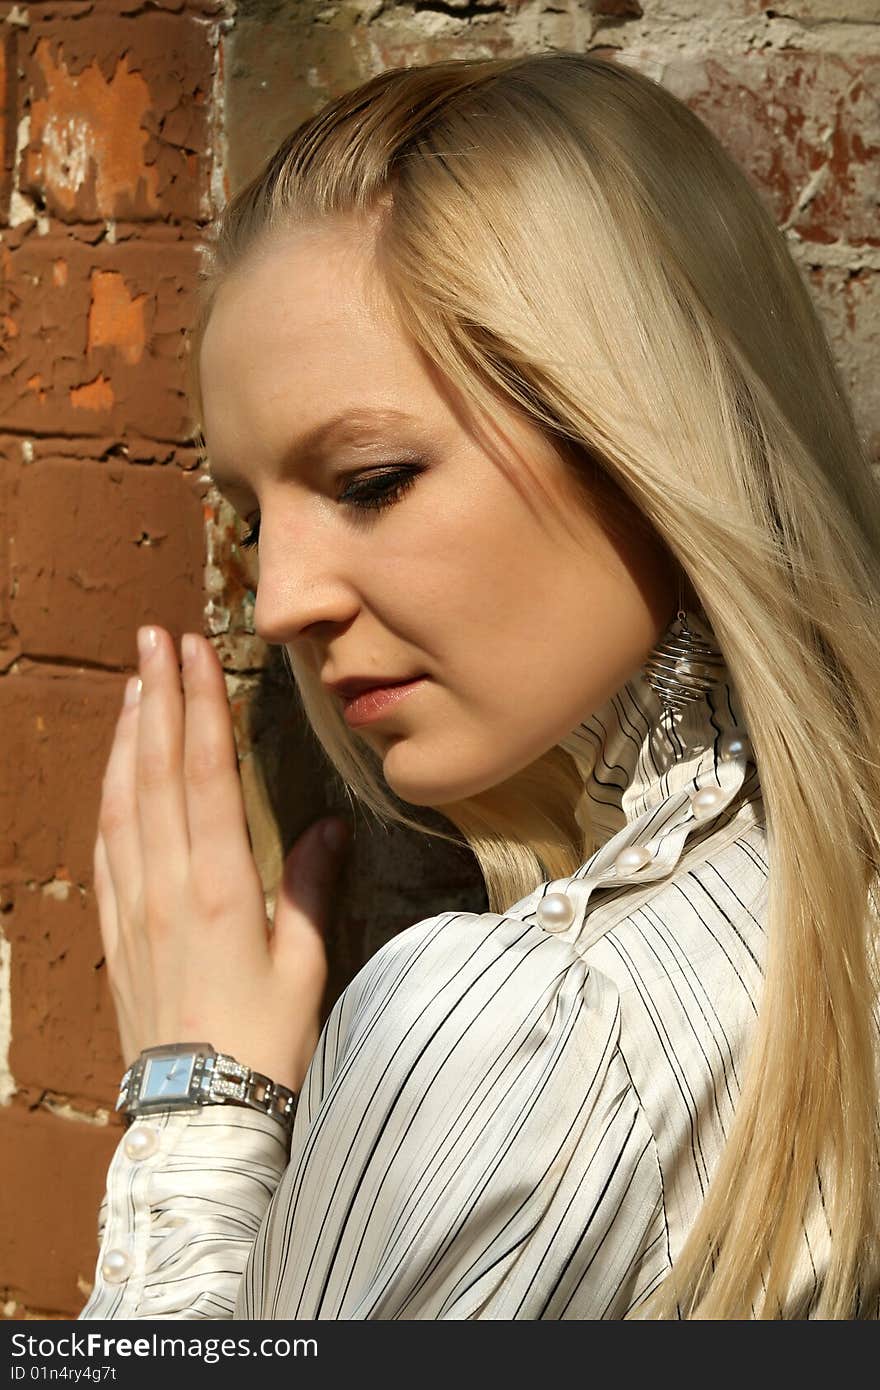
<point x="506" y="1116"/>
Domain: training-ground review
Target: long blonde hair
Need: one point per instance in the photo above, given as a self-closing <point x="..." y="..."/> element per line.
<point x="558" y="231"/>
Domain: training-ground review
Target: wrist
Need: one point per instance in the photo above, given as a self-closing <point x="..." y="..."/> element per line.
<point x="180" y="1076"/>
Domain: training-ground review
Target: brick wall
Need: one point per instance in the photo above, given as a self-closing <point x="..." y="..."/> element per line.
<point x="108" y="147"/>
<point x="122" y="124"/>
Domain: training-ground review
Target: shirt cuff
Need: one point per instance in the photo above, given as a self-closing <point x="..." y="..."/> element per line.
<point x="186" y="1194"/>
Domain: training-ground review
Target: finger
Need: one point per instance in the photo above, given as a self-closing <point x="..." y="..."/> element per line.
<point x="118" y="822"/>
<point x="159" y="770"/>
<point x="221" y="855"/>
<point x="304" y="901"/>
<point x="123" y="958"/>
<point x="105" y="896"/>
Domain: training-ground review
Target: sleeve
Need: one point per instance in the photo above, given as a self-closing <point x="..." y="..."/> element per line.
<point x="186" y="1192"/>
<point x="477" y="1149"/>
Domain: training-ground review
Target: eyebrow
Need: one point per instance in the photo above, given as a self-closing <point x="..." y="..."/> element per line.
<point x="346" y="427"/>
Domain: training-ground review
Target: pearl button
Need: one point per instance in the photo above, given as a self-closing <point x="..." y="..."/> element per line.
<point x="555" y="912"/>
<point x="141" y="1141"/>
<point x="706" y="802"/>
<point x="632" y="858"/>
<point x="734" y="744"/>
<point x="116" y="1266"/>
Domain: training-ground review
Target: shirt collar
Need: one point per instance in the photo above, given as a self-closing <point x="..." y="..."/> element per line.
<point x="633" y="755"/>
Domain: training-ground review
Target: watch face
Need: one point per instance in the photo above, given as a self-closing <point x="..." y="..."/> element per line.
<point x="167" y="1078"/>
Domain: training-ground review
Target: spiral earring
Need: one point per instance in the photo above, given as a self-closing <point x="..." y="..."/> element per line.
<point x="682" y="666"/>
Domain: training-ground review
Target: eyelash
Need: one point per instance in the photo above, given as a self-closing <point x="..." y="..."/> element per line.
<point x="401" y="481"/>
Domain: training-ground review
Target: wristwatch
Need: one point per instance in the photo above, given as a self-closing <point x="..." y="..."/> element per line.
<point x="178" y="1076"/>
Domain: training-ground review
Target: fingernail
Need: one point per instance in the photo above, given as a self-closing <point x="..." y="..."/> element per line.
<point x="133" y="687"/>
<point x="188" y="649"/>
<point x="335" y="834"/>
<point x="147" y="641"/>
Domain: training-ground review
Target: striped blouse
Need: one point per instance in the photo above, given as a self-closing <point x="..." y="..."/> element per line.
<point x="507" y="1115"/>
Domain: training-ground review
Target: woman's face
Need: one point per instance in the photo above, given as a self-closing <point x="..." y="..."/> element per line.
<point x="520" y="624"/>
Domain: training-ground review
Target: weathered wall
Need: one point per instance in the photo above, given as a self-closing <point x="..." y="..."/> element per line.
<point x="109" y="152"/>
<point x="122" y="124"/>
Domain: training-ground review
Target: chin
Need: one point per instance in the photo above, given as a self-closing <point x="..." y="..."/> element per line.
<point x="433" y="782"/>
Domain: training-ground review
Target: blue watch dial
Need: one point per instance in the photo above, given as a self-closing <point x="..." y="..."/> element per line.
<point x="167" y="1078"/>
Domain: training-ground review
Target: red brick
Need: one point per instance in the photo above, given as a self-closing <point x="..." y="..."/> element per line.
<point x="108" y="448"/>
<point x="805" y="127"/>
<point x="64" y="1032"/>
<point x="7" y="470"/>
<point x="116" y="545"/>
<point x="8" y="112"/>
<point x="58" y="728"/>
<point x="54" y="1175"/>
<point x="118" y="115"/>
<point x="94" y="336"/>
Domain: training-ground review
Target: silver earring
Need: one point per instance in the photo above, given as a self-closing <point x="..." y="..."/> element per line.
<point x="682" y="666"/>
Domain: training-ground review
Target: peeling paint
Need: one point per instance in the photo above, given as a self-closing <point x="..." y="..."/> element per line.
<point x="218" y="189"/>
<point x="7" y="1083"/>
<point x="21" y="209"/>
<point x="86" y="126"/>
<point x="116" y="318"/>
<point x="57" y="888"/>
<point x="120" y="315"/>
<point x="68" y="142"/>
<point x="93" y="395"/>
<point x="65" y="1111"/>
<point x="35" y="383"/>
<point x="109" y="115"/>
<point x="23" y="134"/>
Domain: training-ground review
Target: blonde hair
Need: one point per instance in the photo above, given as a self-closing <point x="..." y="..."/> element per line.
<point x="558" y="231"/>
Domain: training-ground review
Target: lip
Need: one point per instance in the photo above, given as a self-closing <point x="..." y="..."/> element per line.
<point x="369" y="705"/>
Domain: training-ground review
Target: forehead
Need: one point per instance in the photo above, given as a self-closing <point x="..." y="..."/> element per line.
<point x="297" y="334"/>
<point x="300" y="290"/>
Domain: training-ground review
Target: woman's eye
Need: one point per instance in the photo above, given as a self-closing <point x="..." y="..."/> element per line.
<point x="373" y="493"/>
<point x="380" y="489"/>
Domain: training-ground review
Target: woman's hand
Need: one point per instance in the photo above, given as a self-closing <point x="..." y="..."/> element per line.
<point x="189" y="950"/>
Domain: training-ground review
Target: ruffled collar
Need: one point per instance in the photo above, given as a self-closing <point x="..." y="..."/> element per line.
<point x="633" y="755"/>
<point x="657" y="786"/>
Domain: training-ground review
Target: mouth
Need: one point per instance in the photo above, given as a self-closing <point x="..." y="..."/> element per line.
<point x="367" y="705"/>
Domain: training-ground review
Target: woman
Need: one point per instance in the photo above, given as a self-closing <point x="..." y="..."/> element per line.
<point x="512" y="373"/>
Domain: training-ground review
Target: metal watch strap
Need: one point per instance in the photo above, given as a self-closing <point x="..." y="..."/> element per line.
<point x="217" y="1079"/>
<point x="239" y="1085"/>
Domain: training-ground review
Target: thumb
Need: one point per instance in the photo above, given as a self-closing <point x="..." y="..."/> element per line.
<point x="309" y="878"/>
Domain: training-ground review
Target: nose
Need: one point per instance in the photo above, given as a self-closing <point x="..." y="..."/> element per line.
<point x="300" y="584"/>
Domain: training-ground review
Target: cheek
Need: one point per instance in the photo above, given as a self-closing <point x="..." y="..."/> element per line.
<point x="464" y="552"/>
<point x="428" y="569"/>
